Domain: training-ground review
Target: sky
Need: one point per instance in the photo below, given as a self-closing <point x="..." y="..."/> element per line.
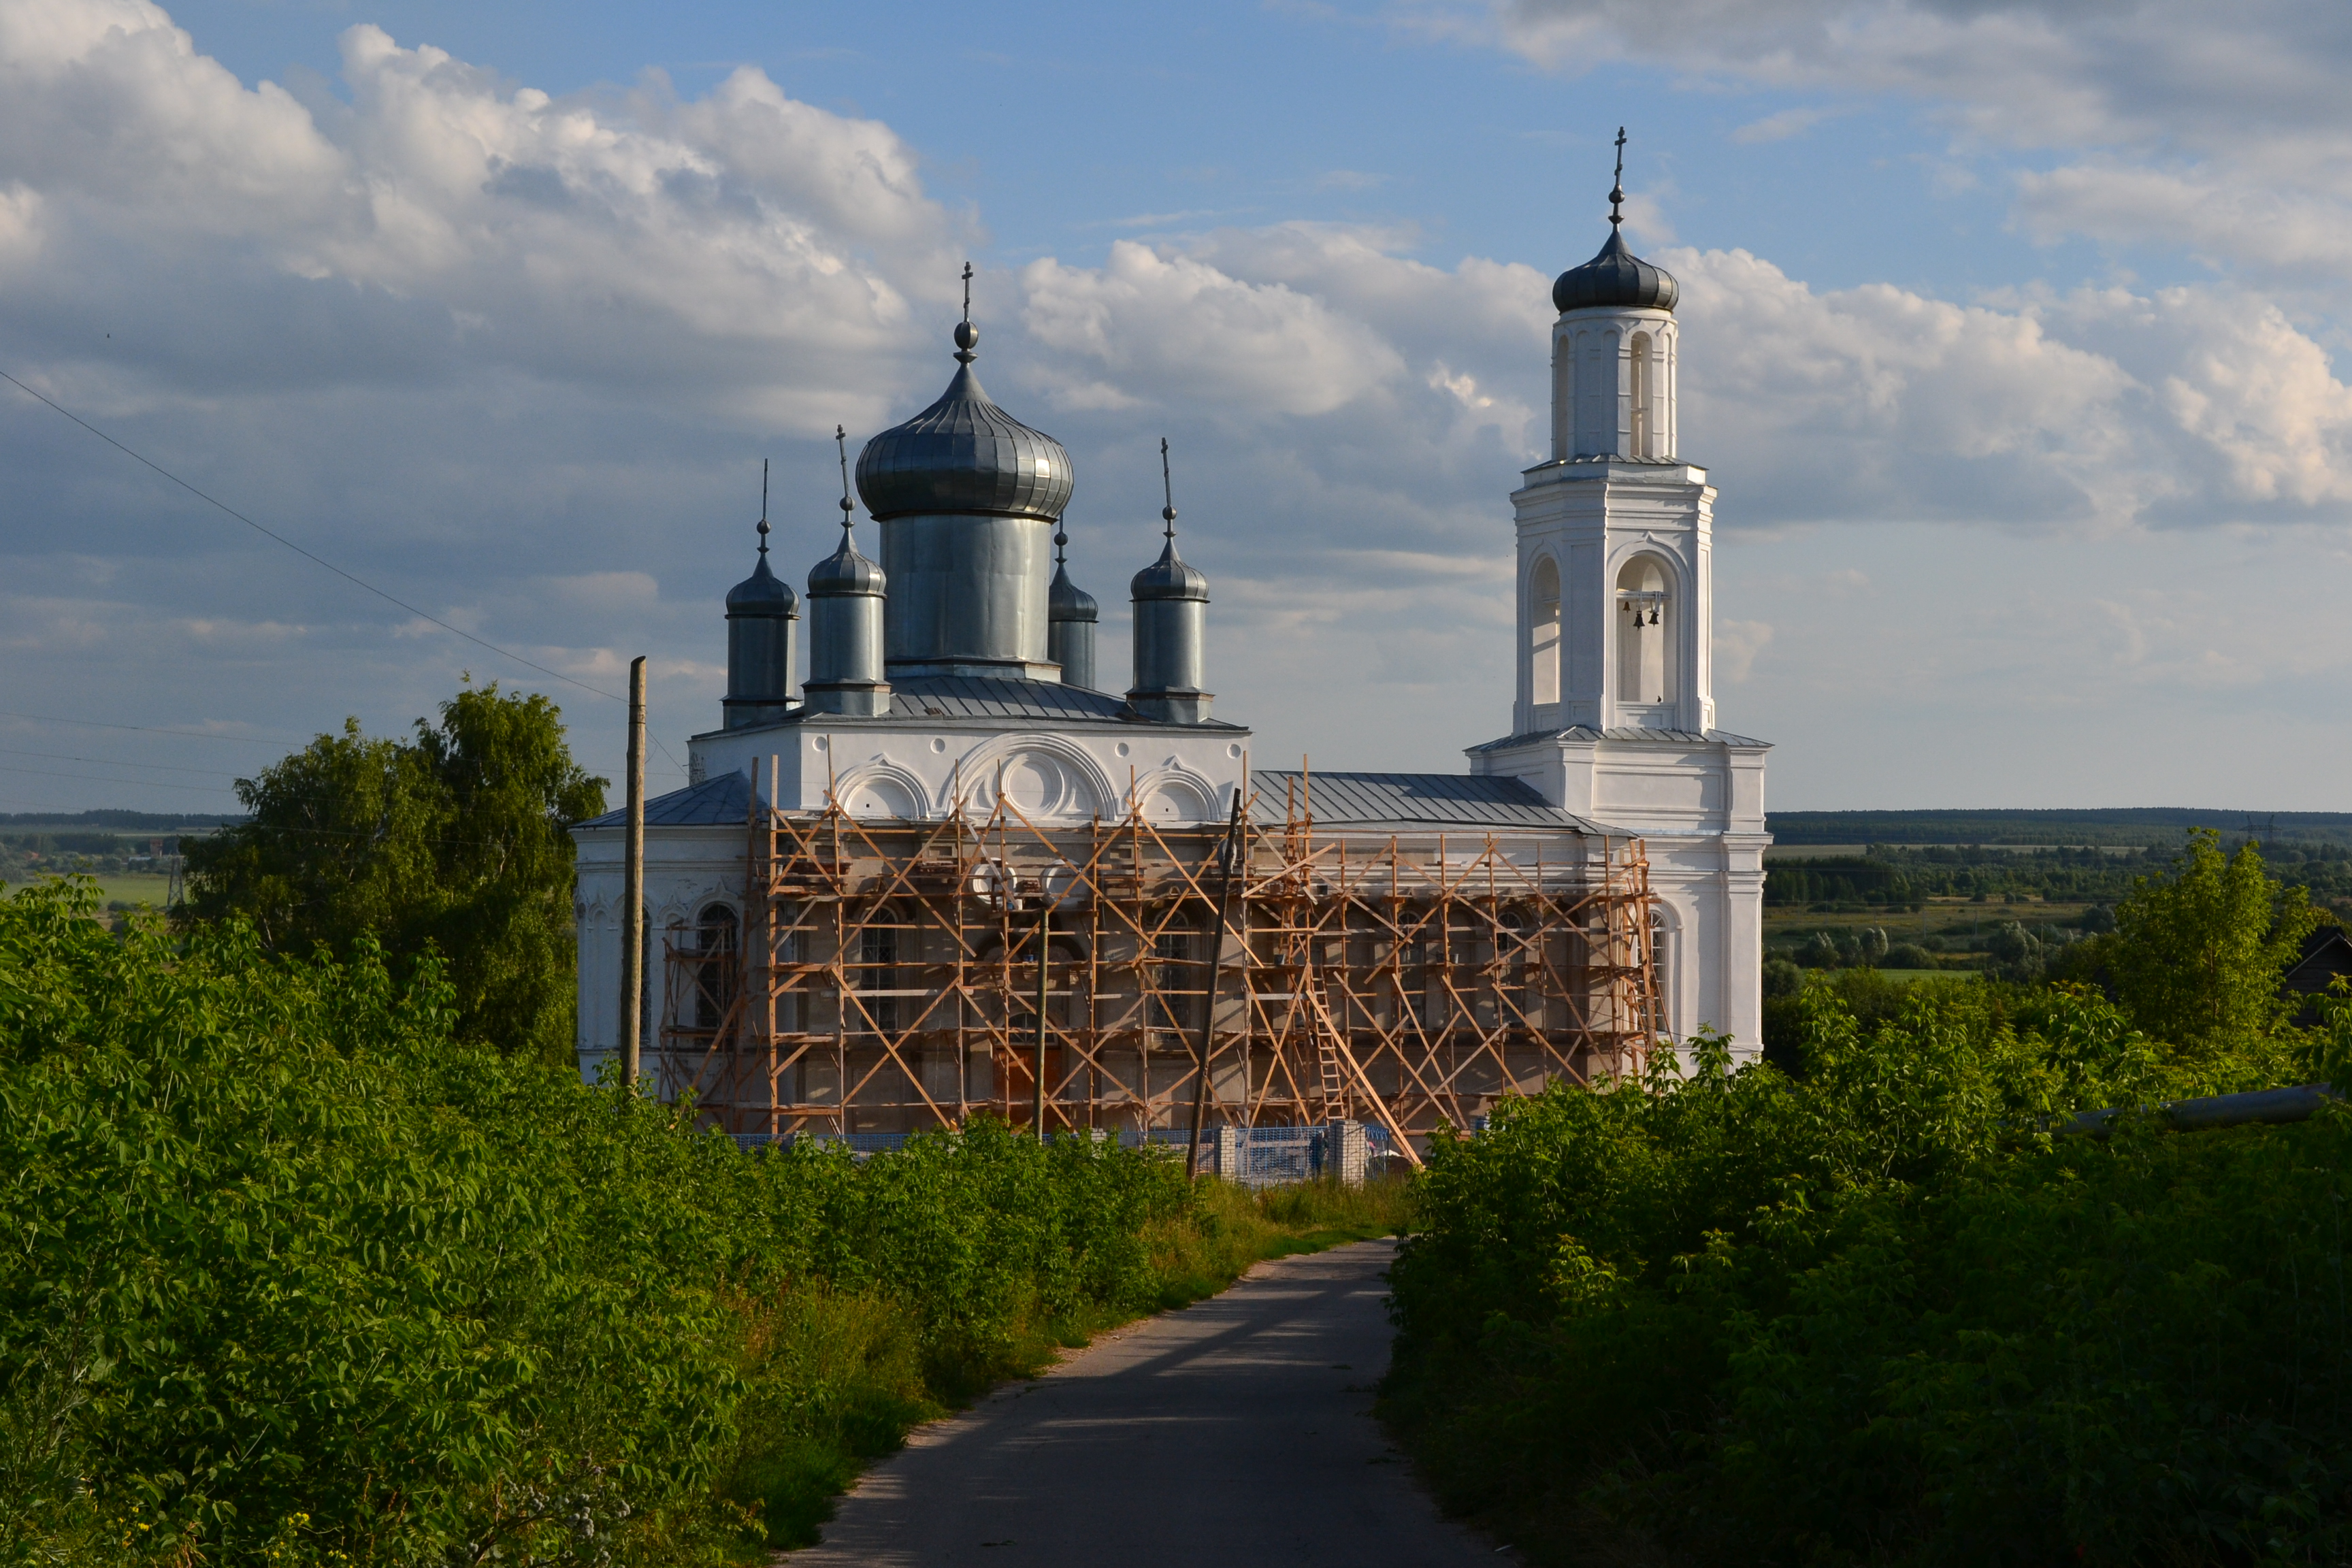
<point x="2011" y="338"/>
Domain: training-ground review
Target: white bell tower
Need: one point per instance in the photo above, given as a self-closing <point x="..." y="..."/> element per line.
<point x="1614" y="714"/>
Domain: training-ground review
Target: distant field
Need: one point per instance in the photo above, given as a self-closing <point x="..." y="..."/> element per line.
<point x="123" y="887"/>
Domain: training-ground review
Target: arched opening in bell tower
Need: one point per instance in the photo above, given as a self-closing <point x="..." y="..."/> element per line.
<point x="1543" y="632"/>
<point x="1646" y="633"/>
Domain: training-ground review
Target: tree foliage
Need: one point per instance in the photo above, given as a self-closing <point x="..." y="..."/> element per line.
<point x="2197" y="954"/>
<point x="1881" y="1316"/>
<point x="454" y="842"/>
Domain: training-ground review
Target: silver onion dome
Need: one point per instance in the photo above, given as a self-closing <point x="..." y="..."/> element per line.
<point x="1170" y="577"/>
<point x="762" y="593"/>
<point x="1066" y="601"/>
<point x="1616" y="278"/>
<point x="846" y="571"/>
<point x="964" y="453"/>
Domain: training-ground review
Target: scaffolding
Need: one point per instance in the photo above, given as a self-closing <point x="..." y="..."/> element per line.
<point x="883" y="975"/>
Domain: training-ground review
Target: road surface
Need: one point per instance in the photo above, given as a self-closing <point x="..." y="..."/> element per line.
<point x="1238" y="1431"/>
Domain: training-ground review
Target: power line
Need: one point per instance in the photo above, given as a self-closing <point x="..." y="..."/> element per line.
<point x="115" y="762"/>
<point x="307" y="556"/>
<point x="142" y="729"/>
<point x="320" y="560"/>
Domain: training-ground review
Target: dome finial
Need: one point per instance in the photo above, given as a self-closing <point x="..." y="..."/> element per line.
<point x="763" y="507"/>
<point x="1617" y="183"/>
<point x="1168" y="488"/>
<point x="1061" y="545"/>
<point x="841" y="440"/>
<point x="966" y="334"/>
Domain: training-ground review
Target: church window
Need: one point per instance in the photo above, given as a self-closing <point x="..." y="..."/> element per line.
<point x="1563" y="398"/>
<point x="1172" y="977"/>
<point x="1666" y="953"/>
<point x="1642" y="378"/>
<point x="1646" y="633"/>
<point x="1543" y="632"/>
<point x="714" y="967"/>
<point x="878" y="971"/>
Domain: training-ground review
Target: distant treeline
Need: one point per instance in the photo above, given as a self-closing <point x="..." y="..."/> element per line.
<point x="118" y="821"/>
<point x="2138" y="825"/>
<point x="1894" y="875"/>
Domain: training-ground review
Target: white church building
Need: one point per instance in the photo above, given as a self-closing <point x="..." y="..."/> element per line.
<point x="960" y="660"/>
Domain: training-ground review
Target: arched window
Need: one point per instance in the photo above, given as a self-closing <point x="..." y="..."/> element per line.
<point x="1641" y="379"/>
<point x="1665" y="957"/>
<point x="715" y="970"/>
<point x="1175" y="975"/>
<point x="878" y="971"/>
<point x="1646" y="633"/>
<point x="1543" y="632"/>
<point x="1563" y="398"/>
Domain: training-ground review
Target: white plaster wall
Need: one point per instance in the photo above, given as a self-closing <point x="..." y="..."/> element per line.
<point x="1698" y="808"/>
<point x="685" y="869"/>
<point x="916" y="771"/>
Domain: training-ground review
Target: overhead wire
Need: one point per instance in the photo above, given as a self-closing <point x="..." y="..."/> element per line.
<point x="142" y="729"/>
<point x="320" y="560"/>
<point x="114" y="762"/>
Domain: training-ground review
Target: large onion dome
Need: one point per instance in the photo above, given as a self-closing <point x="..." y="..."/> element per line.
<point x="964" y="453"/>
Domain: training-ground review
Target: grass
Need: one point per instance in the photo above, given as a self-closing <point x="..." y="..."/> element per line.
<point x="1233" y="1227"/>
<point x="119" y="887"/>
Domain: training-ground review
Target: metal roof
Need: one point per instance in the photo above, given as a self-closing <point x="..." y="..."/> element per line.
<point x="1412" y="800"/>
<point x="1042" y="702"/>
<point x="722" y="802"/>
<point x="1626" y="733"/>
<point x="1616" y="278"/>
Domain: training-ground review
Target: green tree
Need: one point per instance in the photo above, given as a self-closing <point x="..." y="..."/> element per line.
<point x="456" y="842"/>
<point x="2196" y="956"/>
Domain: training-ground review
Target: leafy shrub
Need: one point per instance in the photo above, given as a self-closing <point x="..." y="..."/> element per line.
<point x="1879" y="1315"/>
<point x="293" y="1270"/>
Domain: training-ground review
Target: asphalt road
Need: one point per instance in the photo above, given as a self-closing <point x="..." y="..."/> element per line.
<point x="1238" y="1431"/>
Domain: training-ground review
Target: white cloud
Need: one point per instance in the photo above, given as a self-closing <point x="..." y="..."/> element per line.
<point x="699" y="244"/>
<point x="2183" y="405"/>
<point x="1781" y="127"/>
<point x="2178" y="123"/>
<point x="1736" y="644"/>
<point x="1167" y="326"/>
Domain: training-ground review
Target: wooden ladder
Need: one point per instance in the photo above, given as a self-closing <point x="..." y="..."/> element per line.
<point x="1338" y="1067"/>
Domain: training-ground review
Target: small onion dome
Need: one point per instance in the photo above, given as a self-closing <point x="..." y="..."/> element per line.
<point x="1066" y="601"/>
<point x="1171" y="578"/>
<point x="964" y="453"/>
<point x="762" y="593"/>
<point x="845" y="572"/>
<point x="1615" y="278"/>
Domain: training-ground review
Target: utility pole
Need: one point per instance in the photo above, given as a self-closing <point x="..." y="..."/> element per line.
<point x="1233" y="866"/>
<point x="632" y="886"/>
<point x="1045" y="950"/>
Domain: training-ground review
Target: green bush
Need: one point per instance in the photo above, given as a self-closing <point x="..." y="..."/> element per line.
<point x="295" y="1273"/>
<point x="1881" y="1316"/>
